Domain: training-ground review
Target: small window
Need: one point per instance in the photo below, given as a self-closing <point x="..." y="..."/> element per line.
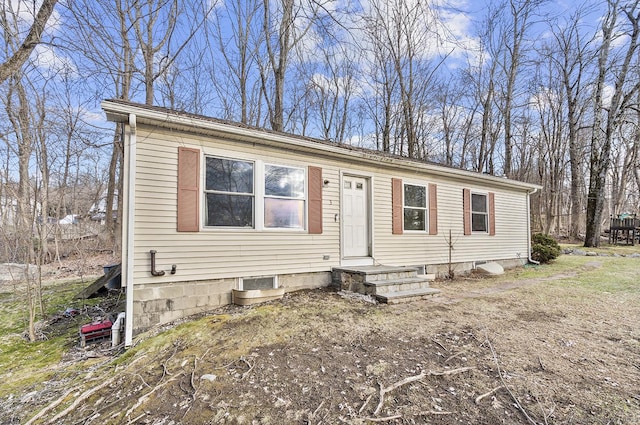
<point x="284" y="201"/>
<point x="252" y="283"/>
<point x="229" y="193"/>
<point x="415" y="207"/>
<point x="479" y="213"/>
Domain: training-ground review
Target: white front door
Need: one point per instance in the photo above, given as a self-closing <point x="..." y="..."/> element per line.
<point x="355" y="217"/>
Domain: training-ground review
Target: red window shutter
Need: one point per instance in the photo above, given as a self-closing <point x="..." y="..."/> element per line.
<point x="492" y="214"/>
<point x="396" y="206"/>
<point x="466" y="203"/>
<point x="188" y="190"/>
<point x="433" y="209"/>
<point x="315" y="200"/>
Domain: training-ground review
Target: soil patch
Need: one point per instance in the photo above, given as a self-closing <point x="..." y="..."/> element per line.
<point x="515" y="352"/>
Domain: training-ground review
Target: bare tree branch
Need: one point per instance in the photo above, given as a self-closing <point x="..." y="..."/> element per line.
<point x="20" y="56"/>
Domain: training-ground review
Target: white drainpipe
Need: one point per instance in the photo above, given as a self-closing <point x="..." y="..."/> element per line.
<point x="531" y="260"/>
<point x="116" y="330"/>
<point x="128" y="223"/>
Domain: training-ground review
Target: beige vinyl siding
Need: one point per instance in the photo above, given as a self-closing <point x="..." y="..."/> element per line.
<point x="221" y="253"/>
<point x="228" y="253"/>
<point x="421" y="248"/>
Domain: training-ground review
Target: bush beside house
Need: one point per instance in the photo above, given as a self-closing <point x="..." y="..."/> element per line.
<point x="545" y="248"/>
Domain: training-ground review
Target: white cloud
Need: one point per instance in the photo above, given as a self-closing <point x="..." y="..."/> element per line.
<point x="367" y="141"/>
<point x="438" y="28"/>
<point x="24" y="12"/>
<point x="323" y="83"/>
<point x="459" y="41"/>
<point x="47" y="58"/>
<point x="21" y="15"/>
<point x="544" y="99"/>
<point x="93" y="116"/>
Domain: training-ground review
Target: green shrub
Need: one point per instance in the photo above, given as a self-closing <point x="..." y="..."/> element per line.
<point x="545" y="248"/>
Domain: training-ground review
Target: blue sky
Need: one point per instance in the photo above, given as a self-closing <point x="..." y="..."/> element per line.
<point x="458" y="26"/>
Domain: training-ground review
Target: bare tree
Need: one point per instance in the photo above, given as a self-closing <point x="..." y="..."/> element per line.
<point x="453" y="123"/>
<point x="383" y="85"/>
<point x="101" y="31"/>
<point x="606" y="116"/>
<point x="285" y="24"/>
<point x="573" y="56"/>
<point x="635" y="149"/>
<point x="551" y="148"/>
<point x="331" y="89"/>
<point x="624" y="153"/>
<point x="403" y="39"/>
<point x="236" y="37"/>
<point x="17" y="56"/>
<point x="512" y="40"/>
<point x="21" y="143"/>
<point x="481" y="76"/>
<point x="109" y="36"/>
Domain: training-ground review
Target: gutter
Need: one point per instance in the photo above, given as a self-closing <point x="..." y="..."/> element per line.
<point x="129" y="222"/>
<point x="531" y="260"/>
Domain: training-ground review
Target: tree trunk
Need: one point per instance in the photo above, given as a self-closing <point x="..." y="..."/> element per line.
<point x="601" y="138"/>
<point x="21" y="125"/>
<point x="112" y="188"/>
<point x="14" y="64"/>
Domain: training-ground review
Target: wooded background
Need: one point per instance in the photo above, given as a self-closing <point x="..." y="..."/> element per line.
<point x="527" y="89"/>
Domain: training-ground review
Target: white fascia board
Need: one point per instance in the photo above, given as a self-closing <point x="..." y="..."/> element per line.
<point x="119" y="112"/>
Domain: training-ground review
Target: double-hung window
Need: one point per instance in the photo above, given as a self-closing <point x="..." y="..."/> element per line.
<point x="284" y="197"/>
<point x="251" y="194"/>
<point x="479" y="213"/>
<point x="229" y="193"/>
<point x="415" y="207"/>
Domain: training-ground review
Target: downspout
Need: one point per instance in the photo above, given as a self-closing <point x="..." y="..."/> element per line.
<point x="531" y="260"/>
<point x="128" y="223"/>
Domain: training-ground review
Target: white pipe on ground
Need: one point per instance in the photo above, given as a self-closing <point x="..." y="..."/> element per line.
<point x="117" y="328"/>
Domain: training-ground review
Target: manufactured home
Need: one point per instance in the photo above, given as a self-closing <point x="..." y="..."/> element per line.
<point x="212" y="206"/>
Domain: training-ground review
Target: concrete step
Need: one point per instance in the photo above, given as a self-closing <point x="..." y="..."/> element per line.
<point x="406" y="296"/>
<point x="403" y="273"/>
<point x="373" y="273"/>
<point x="397" y="285"/>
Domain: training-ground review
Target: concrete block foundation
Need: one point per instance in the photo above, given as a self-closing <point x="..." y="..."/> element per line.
<point x="463" y="268"/>
<point x="156" y="304"/>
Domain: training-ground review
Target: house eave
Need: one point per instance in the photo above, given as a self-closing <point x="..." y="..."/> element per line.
<point x="119" y="111"/>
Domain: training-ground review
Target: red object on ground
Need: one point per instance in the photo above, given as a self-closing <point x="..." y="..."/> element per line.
<point x="95" y="331"/>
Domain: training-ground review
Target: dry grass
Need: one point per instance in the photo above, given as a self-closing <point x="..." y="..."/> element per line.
<point x="560" y="341"/>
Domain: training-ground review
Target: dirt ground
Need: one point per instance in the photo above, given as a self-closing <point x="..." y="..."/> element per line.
<point x="74" y="267"/>
<point x="554" y="349"/>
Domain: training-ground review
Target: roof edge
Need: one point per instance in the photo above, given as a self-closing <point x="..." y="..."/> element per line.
<point x="118" y="111"/>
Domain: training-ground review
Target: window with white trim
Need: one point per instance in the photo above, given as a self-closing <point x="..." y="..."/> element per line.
<point x="415" y="207"/>
<point x="229" y="193"/>
<point x="284" y="197"/>
<point x="479" y="213"/>
<point x="246" y="194"/>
